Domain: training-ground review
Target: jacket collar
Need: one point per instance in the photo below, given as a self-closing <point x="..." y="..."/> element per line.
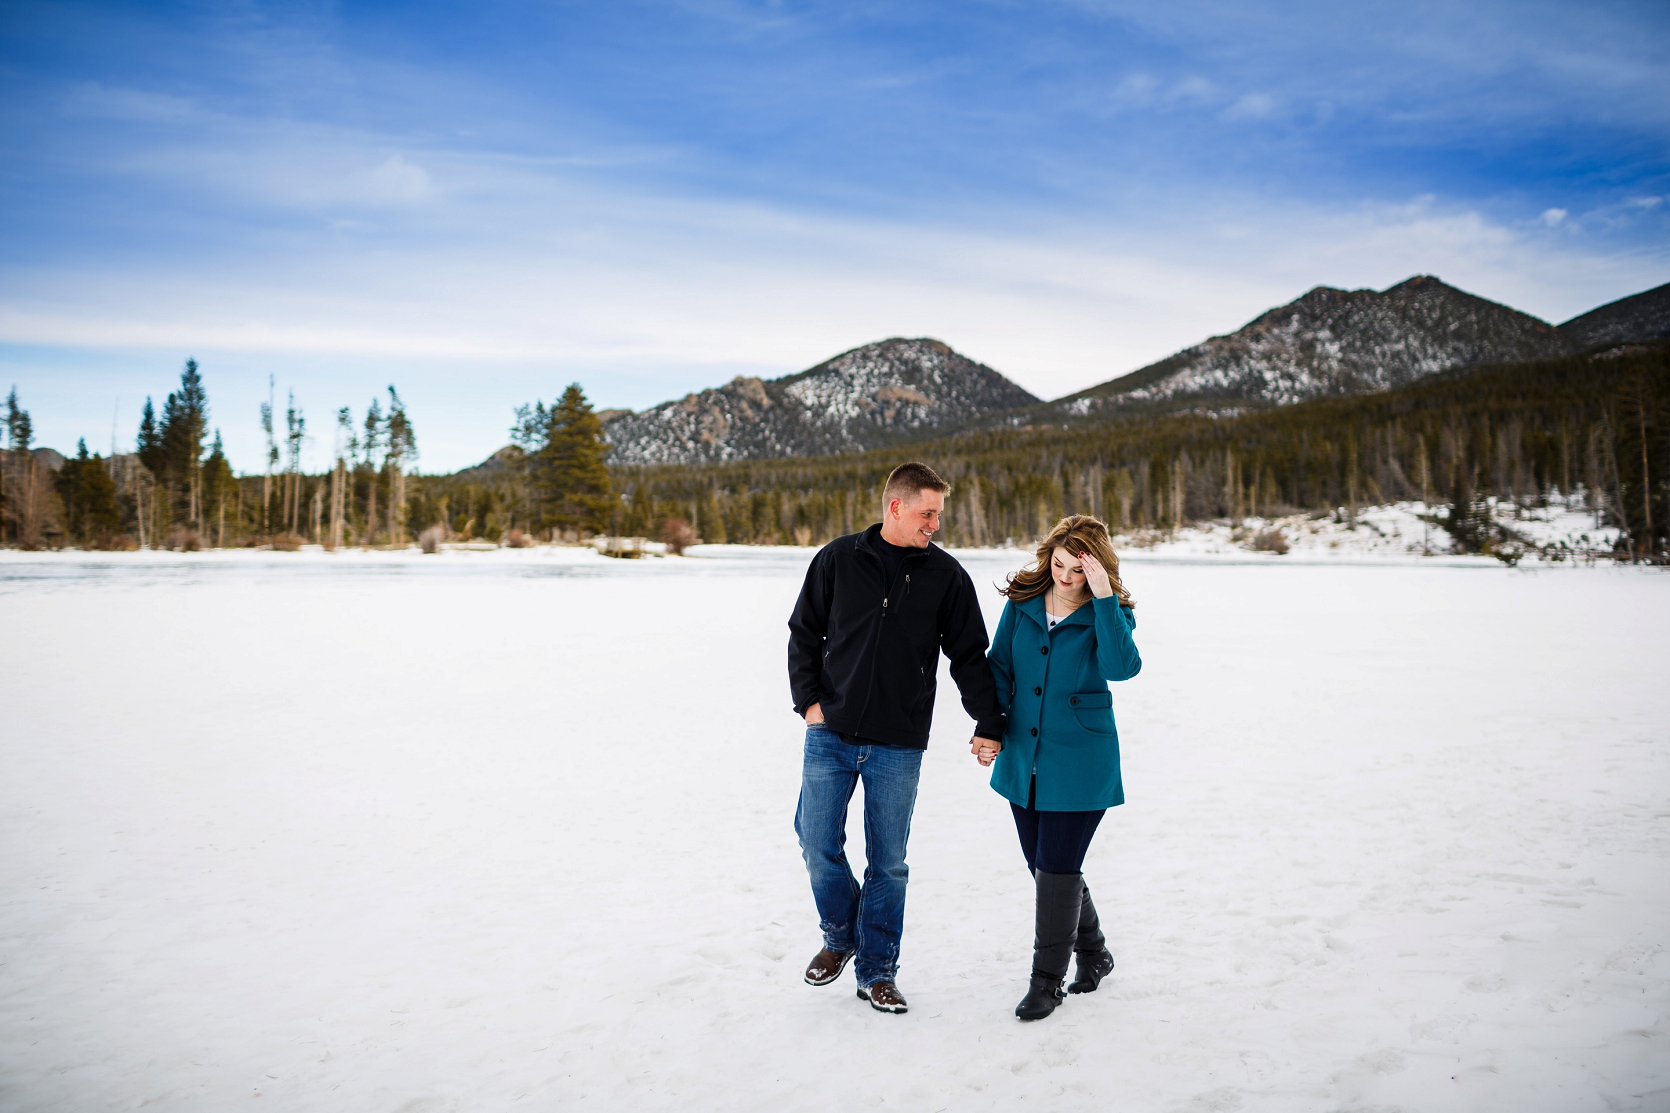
<point x="870" y="541"/>
<point x="1034" y="608"/>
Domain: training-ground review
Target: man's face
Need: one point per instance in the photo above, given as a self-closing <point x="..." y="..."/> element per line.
<point x="918" y="519"/>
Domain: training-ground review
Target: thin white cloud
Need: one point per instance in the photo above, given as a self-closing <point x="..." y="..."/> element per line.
<point x="1134" y="89"/>
<point x="1193" y="88"/>
<point x="609" y="281"/>
<point x="1252" y="106"/>
<point x="1552" y="217"/>
<point x="94" y="100"/>
<point x="394" y="181"/>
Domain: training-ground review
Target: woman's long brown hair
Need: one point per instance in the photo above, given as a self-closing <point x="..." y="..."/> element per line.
<point x="1078" y="534"/>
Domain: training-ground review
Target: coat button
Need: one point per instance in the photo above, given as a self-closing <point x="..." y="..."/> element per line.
<point x="1034" y="732"/>
<point x="1075" y="701"/>
<point x="1043" y="649"/>
<point x="1037" y="691"/>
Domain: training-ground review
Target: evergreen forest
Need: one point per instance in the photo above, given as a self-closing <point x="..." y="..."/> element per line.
<point x="1596" y="429"/>
<point x="1589" y="428"/>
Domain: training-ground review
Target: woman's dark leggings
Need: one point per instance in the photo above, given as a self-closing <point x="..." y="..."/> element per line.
<point x="1054" y="842"/>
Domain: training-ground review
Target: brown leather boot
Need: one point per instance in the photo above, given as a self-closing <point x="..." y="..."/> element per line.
<point x="826" y="966"/>
<point x="884" y="997"/>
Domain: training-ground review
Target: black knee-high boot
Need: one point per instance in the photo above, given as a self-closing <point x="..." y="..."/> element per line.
<point x="1095" y="961"/>
<point x="1060" y="898"/>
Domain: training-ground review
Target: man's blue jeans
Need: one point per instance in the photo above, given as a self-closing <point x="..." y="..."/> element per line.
<point x="867" y="920"/>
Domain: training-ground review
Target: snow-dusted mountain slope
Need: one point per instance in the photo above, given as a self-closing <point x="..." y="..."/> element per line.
<point x="864" y="398"/>
<point x="1643" y="316"/>
<point x="1329" y="342"/>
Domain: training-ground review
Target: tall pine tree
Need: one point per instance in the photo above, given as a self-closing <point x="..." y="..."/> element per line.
<point x="401" y="442"/>
<point x="570" y="477"/>
<point x="149" y="444"/>
<point x="219" y="486"/>
<point x="185" y="420"/>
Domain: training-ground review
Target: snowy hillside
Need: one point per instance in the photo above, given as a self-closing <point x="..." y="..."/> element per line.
<point x="1645" y="316"/>
<point x="1528" y="535"/>
<point x="864" y="398"/>
<point x="1326" y="343"/>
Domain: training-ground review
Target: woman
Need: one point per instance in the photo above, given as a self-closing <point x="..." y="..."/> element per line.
<point x="1065" y="632"/>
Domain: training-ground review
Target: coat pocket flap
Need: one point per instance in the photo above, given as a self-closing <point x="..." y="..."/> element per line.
<point x="1091" y="699"/>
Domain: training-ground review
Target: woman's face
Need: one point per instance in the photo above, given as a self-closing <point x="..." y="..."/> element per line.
<point x="1068" y="572"/>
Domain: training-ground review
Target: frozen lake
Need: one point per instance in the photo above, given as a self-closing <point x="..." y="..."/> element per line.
<point x="391" y="832"/>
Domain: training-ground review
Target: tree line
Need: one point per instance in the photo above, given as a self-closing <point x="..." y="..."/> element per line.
<point x="176" y="491"/>
<point x="1588" y="428"/>
<point x="1596" y="429"/>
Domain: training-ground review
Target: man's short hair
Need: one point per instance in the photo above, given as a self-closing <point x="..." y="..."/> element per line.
<point x="908" y="481"/>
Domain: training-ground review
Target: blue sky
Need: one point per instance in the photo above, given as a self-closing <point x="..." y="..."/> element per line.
<point x="481" y="203"/>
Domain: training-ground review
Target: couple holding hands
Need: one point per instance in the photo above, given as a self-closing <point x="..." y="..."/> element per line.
<point x="875" y="612"/>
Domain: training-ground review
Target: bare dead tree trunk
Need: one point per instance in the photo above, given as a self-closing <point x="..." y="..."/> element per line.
<point x="397" y="505"/>
<point x="1178" y="494"/>
<point x="339" y="484"/>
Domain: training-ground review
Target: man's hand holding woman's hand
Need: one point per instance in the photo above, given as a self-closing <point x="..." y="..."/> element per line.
<point x="1095" y="576"/>
<point x="985" y="750"/>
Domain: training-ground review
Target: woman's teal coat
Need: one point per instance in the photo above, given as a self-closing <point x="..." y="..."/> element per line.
<point x="1053" y="684"/>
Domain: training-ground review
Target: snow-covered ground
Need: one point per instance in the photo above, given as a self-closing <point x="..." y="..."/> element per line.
<point x="379" y="831"/>
<point x="1547" y="534"/>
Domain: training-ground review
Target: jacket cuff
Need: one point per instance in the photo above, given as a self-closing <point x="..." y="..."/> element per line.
<point x="992" y="728"/>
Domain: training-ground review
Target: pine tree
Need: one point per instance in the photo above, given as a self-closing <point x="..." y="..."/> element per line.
<point x="185" y="420"/>
<point x="15" y="463"/>
<point x="149" y="445"/>
<point x="295" y="432"/>
<point x="219" y="485"/>
<point x="346" y="446"/>
<point x="401" y="442"/>
<point x="272" y="457"/>
<point x="372" y="442"/>
<point x="27" y="499"/>
<point x="20" y="430"/>
<point x="571" y="479"/>
<point x="89" y="497"/>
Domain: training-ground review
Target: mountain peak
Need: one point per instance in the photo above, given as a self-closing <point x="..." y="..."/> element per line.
<point x="866" y="397"/>
<point x="1640" y="317"/>
<point x="1331" y="341"/>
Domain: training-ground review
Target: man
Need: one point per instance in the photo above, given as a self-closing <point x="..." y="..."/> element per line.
<point x="864" y="641"/>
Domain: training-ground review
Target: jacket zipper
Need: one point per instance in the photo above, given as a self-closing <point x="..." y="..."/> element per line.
<point x="886" y="592"/>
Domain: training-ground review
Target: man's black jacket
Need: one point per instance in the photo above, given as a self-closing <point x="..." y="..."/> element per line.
<point x="868" y="651"/>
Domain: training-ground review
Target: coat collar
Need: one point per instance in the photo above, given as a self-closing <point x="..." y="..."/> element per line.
<point x="1034" y="608"/>
<point x="870" y="541"/>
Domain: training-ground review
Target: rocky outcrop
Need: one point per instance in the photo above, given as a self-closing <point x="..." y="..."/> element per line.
<point x="868" y="397"/>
